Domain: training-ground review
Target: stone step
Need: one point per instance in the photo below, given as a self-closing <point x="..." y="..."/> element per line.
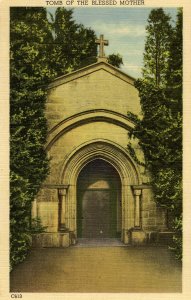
<point x="163" y="237"/>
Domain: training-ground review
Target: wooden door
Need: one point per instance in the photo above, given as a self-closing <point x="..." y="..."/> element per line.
<point x="97" y="214"/>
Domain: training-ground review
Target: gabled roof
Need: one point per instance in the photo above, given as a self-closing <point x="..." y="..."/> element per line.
<point x="91" y="69"/>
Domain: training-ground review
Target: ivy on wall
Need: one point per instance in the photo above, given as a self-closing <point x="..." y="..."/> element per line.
<point x="160" y="129"/>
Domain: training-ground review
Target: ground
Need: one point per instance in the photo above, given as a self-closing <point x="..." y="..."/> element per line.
<point x="98" y="268"/>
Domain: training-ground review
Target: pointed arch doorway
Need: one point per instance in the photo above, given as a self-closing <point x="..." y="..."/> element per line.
<point x="98" y="201"/>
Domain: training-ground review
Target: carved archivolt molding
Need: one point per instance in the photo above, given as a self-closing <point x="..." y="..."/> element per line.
<point x="106" y="150"/>
<point x="84" y="118"/>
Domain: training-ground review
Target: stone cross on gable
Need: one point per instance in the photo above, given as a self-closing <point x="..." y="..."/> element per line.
<point x="101" y="42"/>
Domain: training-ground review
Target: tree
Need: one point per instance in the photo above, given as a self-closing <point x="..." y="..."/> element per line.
<point x="115" y="60"/>
<point x="74" y="45"/>
<point x="174" y="72"/>
<point x="29" y="72"/>
<point x="157" y="47"/>
<point x="174" y="94"/>
<point x="160" y="129"/>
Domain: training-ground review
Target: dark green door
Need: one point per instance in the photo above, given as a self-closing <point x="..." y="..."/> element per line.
<point x="98" y="201"/>
<point x="97" y="213"/>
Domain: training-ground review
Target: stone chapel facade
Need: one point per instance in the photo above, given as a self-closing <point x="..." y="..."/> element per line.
<point x="95" y="189"/>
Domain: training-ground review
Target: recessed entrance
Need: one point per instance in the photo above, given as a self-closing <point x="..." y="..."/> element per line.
<point x="98" y="201"/>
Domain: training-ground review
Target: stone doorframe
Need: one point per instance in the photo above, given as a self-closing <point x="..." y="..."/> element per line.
<point x="129" y="175"/>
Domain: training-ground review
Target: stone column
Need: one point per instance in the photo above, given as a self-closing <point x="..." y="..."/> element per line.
<point x="137" y="194"/>
<point x="34" y="212"/>
<point x="62" y="194"/>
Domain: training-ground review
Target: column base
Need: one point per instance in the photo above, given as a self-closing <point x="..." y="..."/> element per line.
<point x="138" y="237"/>
<point x="125" y="237"/>
<point x="52" y="240"/>
<point x="73" y="239"/>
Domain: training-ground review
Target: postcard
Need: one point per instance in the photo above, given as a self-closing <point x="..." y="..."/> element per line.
<point x="95" y="149"/>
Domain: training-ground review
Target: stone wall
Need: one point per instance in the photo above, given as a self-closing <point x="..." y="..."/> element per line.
<point x="71" y="140"/>
<point x="99" y="89"/>
<point x="153" y="218"/>
<point x="86" y="107"/>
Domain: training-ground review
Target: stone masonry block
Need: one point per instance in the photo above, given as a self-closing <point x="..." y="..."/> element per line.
<point x="138" y="237"/>
<point x="48" y="213"/>
<point x="44" y="240"/>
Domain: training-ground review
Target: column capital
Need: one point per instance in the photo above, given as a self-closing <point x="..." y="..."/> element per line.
<point x="62" y="192"/>
<point x="137" y="192"/>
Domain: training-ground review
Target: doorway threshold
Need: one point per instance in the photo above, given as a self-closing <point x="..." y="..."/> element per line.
<point x="99" y="242"/>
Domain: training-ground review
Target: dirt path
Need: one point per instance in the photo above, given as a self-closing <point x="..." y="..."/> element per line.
<point x="98" y="269"/>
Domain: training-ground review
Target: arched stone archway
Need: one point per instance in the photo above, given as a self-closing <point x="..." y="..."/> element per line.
<point x="86" y="117"/>
<point x="120" y="160"/>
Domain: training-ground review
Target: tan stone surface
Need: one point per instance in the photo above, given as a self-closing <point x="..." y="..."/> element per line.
<point x="99" y="89"/>
<point x="100" y="269"/>
<point x="87" y="118"/>
<point x="48" y="213"/>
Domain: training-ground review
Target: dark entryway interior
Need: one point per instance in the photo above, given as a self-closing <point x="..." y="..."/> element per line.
<point x="98" y="201"/>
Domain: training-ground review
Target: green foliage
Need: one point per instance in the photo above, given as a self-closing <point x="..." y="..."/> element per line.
<point x="160" y="129"/>
<point x="174" y="72"/>
<point x="74" y="45"/>
<point x="19" y="247"/>
<point x="19" y="221"/>
<point x="157" y="47"/>
<point x="115" y="60"/>
<point x="134" y="118"/>
<point x="29" y="71"/>
<point x="36" y="226"/>
<point x="177" y="238"/>
<point x="20" y="224"/>
<point x="132" y="152"/>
